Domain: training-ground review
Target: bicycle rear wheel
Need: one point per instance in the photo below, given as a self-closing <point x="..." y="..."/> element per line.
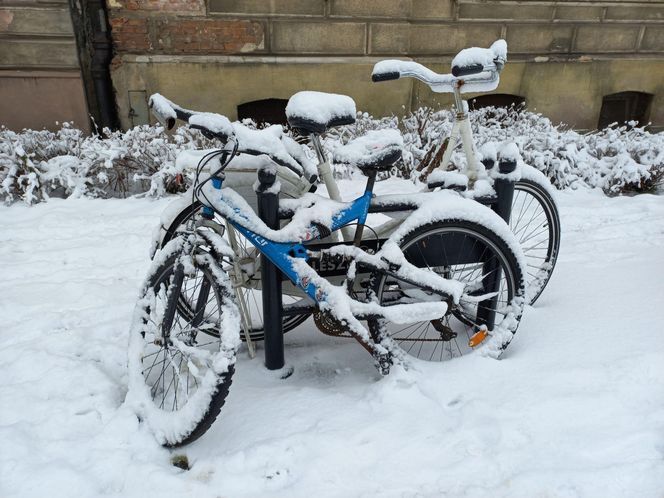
<point x="468" y="252"/>
<point x="535" y="222"/>
<point x="182" y="357"/>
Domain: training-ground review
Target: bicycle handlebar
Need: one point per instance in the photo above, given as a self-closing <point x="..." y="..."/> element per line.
<point x="479" y="67"/>
<point x="210" y="124"/>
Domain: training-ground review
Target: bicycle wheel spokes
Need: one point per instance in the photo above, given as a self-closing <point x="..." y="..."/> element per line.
<point x="535" y="223"/>
<point x="176" y="363"/>
<point x="248" y="291"/>
<point x="455" y="252"/>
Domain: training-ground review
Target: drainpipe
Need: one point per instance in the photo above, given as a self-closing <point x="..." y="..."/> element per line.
<point x="95" y="51"/>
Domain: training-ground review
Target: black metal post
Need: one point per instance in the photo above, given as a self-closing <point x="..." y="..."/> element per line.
<point x="268" y="211"/>
<point x="504" y="187"/>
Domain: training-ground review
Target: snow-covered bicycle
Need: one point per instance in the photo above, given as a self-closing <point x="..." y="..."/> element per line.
<point x="451" y="268"/>
<point x="534" y="216"/>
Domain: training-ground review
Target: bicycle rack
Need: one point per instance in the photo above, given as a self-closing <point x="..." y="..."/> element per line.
<point x="502" y="206"/>
<point x="268" y="211"/>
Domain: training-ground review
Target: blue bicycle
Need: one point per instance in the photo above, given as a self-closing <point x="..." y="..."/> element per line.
<point x="452" y="270"/>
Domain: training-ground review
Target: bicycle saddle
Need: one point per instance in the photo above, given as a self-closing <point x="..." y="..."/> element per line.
<point x="378" y="150"/>
<point x="315" y="112"/>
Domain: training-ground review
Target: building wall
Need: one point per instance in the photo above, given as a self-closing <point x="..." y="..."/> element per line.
<point x="40" y="78"/>
<point x="563" y="56"/>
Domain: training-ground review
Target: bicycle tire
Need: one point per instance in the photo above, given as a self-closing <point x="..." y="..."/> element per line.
<point x="432" y="340"/>
<point x="203" y="376"/>
<point x="537" y="228"/>
<point x="256" y="332"/>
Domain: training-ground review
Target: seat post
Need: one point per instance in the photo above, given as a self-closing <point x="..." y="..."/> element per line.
<point x="324" y="169"/>
<point x="371" y="180"/>
<point x="325" y="173"/>
<point x="458" y="103"/>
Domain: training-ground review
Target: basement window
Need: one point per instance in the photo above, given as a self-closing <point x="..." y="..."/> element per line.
<point x="497" y="100"/>
<point x="623" y="107"/>
<point x="266" y="111"/>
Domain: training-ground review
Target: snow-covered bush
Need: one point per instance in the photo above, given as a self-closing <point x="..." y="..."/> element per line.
<point x="37" y="164"/>
<point x="616" y="159"/>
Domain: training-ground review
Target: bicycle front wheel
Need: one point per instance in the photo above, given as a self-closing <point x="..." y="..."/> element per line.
<point x="467" y="252"/>
<point x="251" y="294"/>
<point x="182" y="357"/>
<point x="535" y="222"/>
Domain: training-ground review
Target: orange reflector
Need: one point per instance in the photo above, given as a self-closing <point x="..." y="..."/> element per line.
<point x="478" y="338"/>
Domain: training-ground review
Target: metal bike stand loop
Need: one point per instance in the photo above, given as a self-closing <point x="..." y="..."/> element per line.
<point x="502" y="206"/>
<point x="268" y="211"/>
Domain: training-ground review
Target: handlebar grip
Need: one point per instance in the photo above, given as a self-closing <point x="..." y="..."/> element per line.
<point x="376" y="77"/>
<point x="169" y="123"/>
<point x="467" y="70"/>
<point x="162" y="109"/>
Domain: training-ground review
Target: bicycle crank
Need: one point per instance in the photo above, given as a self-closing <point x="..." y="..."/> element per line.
<point x="446" y="333"/>
<point x="330" y="325"/>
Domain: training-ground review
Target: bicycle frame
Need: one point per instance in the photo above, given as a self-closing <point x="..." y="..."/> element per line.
<point x="282" y="253"/>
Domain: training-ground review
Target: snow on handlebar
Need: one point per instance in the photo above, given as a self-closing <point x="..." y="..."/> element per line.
<point x="479" y="67"/>
<point x="211" y="124"/>
<point x="270" y="141"/>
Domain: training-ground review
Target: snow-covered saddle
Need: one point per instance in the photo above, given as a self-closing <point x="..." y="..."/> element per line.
<point x="378" y="150"/>
<point x="315" y="112"/>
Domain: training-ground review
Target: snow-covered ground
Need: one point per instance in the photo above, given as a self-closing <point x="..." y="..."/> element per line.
<point x="574" y="409"/>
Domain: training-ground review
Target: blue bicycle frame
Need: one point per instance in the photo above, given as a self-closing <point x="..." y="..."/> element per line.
<point x="281" y="254"/>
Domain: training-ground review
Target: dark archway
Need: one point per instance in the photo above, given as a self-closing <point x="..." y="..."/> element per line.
<point x="625" y="106"/>
<point x="270" y="111"/>
<point x="497" y="100"/>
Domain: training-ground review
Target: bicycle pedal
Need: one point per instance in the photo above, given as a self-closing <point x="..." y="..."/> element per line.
<point x="393" y="267"/>
<point x="383" y="363"/>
